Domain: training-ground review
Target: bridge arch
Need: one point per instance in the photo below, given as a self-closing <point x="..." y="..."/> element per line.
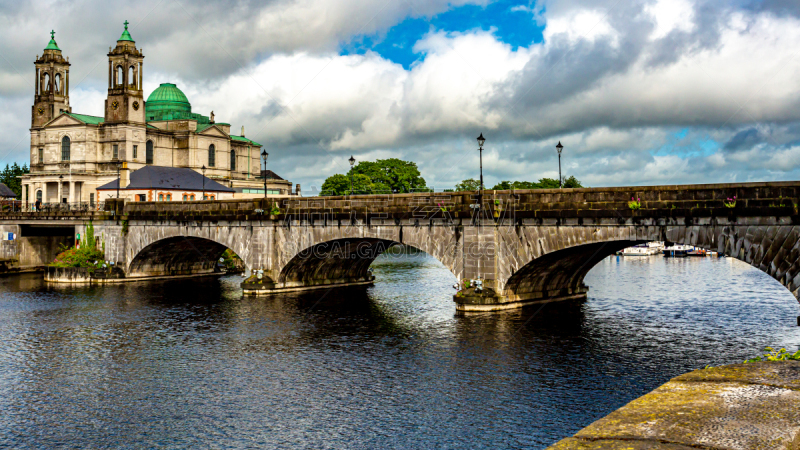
<point x="182" y="250"/>
<point x="309" y="256"/>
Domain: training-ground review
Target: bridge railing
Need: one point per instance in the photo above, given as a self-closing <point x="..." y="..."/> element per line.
<point x="50" y="208"/>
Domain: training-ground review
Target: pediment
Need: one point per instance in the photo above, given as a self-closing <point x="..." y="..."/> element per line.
<point x="62" y="120"/>
<point x="213" y="131"/>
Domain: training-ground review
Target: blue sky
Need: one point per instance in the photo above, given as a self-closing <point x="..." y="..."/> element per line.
<point x="511" y="22"/>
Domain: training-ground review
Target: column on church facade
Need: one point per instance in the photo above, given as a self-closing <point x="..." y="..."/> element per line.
<point x="71" y="197"/>
<point x="60" y="188"/>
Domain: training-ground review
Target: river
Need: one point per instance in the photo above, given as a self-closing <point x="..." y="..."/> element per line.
<point x="190" y="363"/>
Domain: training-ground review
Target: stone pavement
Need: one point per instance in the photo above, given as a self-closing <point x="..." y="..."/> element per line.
<point x="736" y="407"/>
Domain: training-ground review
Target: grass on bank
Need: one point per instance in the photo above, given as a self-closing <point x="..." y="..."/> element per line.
<point x="87" y="255"/>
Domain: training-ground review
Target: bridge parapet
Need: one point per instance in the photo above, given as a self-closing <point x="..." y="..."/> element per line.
<point x="692" y="201"/>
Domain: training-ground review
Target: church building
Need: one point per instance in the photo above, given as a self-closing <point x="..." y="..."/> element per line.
<point x="73" y="154"/>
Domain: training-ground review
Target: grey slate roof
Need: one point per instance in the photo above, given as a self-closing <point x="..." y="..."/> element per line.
<point x="178" y="178"/>
<point x="270" y="175"/>
<point x="6" y="192"/>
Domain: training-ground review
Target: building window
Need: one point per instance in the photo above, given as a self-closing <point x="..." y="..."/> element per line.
<point x="142" y="197"/>
<point x="192" y="197"/>
<point x="65" y="148"/>
<point x="148" y="153"/>
<point x="169" y="197"/>
<point x="161" y="197"/>
<point x="115" y="152"/>
<point x="211" y="155"/>
<point x="39" y="196"/>
<point x="91" y="198"/>
<point x="135" y="148"/>
<point x="233" y="160"/>
<point x="185" y="197"/>
<point x="41" y="156"/>
<point x="120" y="74"/>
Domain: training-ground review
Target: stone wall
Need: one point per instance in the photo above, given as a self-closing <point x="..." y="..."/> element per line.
<point x="737" y="407"/>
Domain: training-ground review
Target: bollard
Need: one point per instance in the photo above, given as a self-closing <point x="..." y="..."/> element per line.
<point x="798" y="321"/>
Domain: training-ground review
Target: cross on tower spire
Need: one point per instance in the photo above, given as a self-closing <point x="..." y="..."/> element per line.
<point x="52" y="34"/>
<point x="126" y="24"/>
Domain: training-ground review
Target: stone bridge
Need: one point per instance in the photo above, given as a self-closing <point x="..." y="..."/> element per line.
<point x="525" y="246"/>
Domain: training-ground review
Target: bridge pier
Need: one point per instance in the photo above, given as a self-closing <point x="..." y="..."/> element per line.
<point x="269" y="287"/>
<point x="470" y="301"/>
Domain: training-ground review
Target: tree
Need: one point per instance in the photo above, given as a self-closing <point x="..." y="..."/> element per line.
<point x="396" y="174"/>
<point x="470" y="184"/>
<point x="543" y="183"/>
<point x="384" y="176"/>
<point x="9" y="175"/>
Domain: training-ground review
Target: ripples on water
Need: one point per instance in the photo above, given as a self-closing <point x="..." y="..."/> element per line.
<point x="190" y="363"/>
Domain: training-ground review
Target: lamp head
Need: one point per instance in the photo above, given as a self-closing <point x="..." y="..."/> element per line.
<point x="264" y="155"/>
<point x="481" y="140"/>
<point x="203" y="168"/>
<point x="352" y="161"/>
<point x="559" y="147"/>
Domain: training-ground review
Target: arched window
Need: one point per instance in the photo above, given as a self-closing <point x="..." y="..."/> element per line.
<point x="39" y="195"/>
<point x="169" y="197"/>
<point x="46" y="82"/>
<point x="212" y="155"/>
<point x="161" y="197"/>
<point x="120" y="74"/>
<point x="148" y="153"/>
<point x="65" y="148"/>
<point x="233" y="160"/>
<point x="131" y="76"/>
<point x="57" y="81"/>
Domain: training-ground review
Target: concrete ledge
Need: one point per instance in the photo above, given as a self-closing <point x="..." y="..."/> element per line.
<point x="741" y="406"/>
<point x="501" y="306"/>
<point x="281" y="290"/>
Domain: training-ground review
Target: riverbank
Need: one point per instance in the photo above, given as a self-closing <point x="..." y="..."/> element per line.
<point x="740" y="406"/>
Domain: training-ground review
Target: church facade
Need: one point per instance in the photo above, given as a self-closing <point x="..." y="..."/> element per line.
<point x="73" y="154"/>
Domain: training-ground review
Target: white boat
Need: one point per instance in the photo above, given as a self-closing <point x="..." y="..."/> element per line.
<point x="678" y="250"/>
<point x="646" y="249"/>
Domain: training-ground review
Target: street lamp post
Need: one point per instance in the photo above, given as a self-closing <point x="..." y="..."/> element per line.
<point x="352" y="161"/>
<point x="481" y="140"/>
<point x="559" y="147"/>
<point x="204" y="181"/>
<point x="61" y="186"/>
<point x="264" y="156"/>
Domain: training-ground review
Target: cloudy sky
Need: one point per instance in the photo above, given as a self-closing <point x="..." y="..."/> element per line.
<point x="638" y="91"/>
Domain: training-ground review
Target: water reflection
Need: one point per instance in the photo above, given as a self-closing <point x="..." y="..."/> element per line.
<point x="193" y="363"/>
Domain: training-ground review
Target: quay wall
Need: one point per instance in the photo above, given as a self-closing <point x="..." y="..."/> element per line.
<point x="735" y="407"/>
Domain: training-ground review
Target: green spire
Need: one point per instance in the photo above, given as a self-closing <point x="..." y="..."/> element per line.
<point x="52" y="44"/>
<point x="125" y="35"/>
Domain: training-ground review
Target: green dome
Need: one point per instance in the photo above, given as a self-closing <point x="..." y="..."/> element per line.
<point x="167" y="100"/>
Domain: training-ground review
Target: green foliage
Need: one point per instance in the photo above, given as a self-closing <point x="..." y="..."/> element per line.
<point x="125" y="226"/>
<point x="9" y="177"/>
<point x="89" y="237"/>
<point x="274" y="211"/>
<point x="383" y="176"/>
<point x="470" y="184"/>
<point x="635" y="203"/>
<point x="543" y="183"/>
<point x="231" y="261"/>
<point x="730" y="202"/>
<point x="776" y="355"/>
<point x="80" y="257"/>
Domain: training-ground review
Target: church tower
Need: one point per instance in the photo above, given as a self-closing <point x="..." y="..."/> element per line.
<point x="125" y="101"/>
<point x="51" y="95"/>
